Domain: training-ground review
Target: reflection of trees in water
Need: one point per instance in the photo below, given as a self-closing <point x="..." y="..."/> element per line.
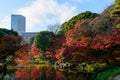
<point x="70" y="76"/>
<point x="75" y="76"/>
<point x="22" y="74"/>
<point x="50" y="73"/>
<point x="41" y="73"/>
<point x="35" y="72"/>
<point x="27" y="74"/>
<point x="1" y="76"/>
<point x="6" y="74"/>
<point x="9" y="76"/>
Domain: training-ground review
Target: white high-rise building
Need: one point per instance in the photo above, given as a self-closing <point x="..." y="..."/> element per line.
<point x="18" y="23"/>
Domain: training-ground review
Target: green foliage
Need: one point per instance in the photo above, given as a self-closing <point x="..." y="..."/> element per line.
<point x="107" y="11"/>
<point x="43" y="40"/>
<point x="99" y="25"/>
<point x="1" y="33"/>
<point x="38" y="60"/>
<point x="118" y="26"/>
<point x="90" y="67"/>
<point x="71" y="23"/>
<point x="108" y="74"/>
<point x="116" y="11"/>
<point x="5" y="31"/>
<point x="60" y="32"/>
<point x="9" y="59"/>
<point x="31" y="40"/>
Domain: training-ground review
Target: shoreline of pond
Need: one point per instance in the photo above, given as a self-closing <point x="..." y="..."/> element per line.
<point x="94" y="74"/>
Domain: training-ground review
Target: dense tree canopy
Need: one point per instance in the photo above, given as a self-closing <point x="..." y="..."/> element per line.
<point x="1" y="33"/>
<point x="99" y="25"/>
<point x="116" y="12"/>
<point x="71" y="23"/>
<point x="34" y="51"/>
<point x="43" y="40"/>
<point x="5" y="31"/>
<point x="31" y="40"/>
<point x="22" y="54"/>
<point x="9" y="44"/>
<point x="89" y="40"/>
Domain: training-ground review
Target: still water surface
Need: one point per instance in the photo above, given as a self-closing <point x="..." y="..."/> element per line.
<point x="42" y="73"/>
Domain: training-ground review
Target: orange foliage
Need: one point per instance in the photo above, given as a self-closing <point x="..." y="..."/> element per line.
<point x="35" y="72"/>
<point x="86" y="44"/>
<point x="23" y="74"/>
<point x="59" y="75"/>
<point x="18" y="61"/>
<point x="34" y="51"/>
<point x="50" y="53"/>
<point x="27" y="74"/>
<point x="22" y="55"/>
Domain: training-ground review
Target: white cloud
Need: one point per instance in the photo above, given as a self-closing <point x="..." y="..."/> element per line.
<point x="42" y="13"/>
<point x="5" y="22"/>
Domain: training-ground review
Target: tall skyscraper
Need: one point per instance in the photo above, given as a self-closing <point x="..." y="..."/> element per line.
<point x="18" y="23"/>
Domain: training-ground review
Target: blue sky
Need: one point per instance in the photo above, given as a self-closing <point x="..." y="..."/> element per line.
<point x="40" y="13"/>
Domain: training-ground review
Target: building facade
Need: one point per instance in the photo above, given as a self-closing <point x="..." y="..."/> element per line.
<point x="18" y="24"/>
<point x="27" y="35"/>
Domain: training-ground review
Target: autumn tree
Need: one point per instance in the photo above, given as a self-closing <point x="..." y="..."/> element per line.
<point x="71" y="23"/>
<point x="4" y="32"/>
<point x="79" y="48"/>
<point x="51" y="52"/>
<point x="9" y="45"/>
<point x="22" y="54"/>
<point x="23" y="74"/>
<point x="34" y="51"/>
<point x="10" y="42"/>
<point x="90" y="40"/>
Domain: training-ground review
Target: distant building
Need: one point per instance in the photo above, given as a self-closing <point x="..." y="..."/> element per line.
<point x="18" y="24"/>
<point x="27" y="35"/>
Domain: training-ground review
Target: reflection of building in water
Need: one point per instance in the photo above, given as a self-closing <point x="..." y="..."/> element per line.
<point x="18" y="24"/>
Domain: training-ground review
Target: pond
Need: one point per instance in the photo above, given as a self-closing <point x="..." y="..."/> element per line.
<point x="42" y="73"/>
